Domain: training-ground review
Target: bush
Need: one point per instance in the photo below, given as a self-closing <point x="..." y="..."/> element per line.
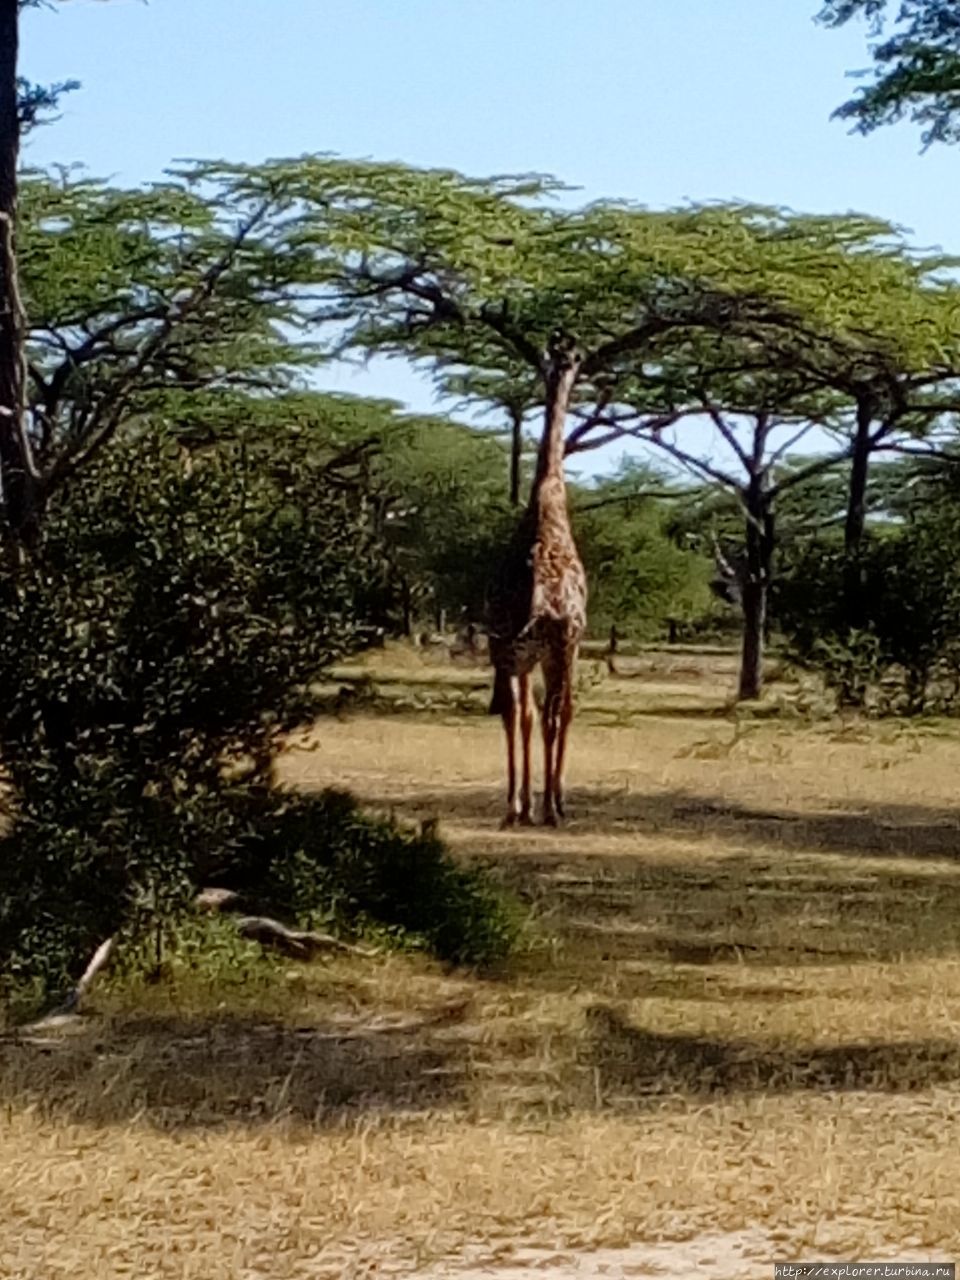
<point x="177" y="608"/>
<point x="321" y="860"/>
<point x="903" y="656"/>
<point x="642" y="579"/>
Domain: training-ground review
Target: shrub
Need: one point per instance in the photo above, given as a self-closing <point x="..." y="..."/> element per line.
<point x="321" y="859"/>
<point x="178" y="606"/>
<point x="903" y="656"/>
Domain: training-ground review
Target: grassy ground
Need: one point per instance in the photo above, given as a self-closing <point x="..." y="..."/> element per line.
<point x="737" y="1012"/>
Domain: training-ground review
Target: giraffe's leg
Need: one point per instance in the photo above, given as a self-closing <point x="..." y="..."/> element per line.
<point x="508" y="712"/>
<point x="550" y="716"/>
<point x="526" y="727"/>
<point x="566" y="715"/>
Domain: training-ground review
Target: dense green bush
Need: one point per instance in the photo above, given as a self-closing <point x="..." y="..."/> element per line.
<point x="895" y="646"/>
<point x="320" y="859"/>
<point x="177" y="608"/>
<point x="644" y="574"/>
<point x="180" y="603"/>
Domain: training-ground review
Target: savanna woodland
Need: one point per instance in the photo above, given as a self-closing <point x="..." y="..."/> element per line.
<point x="281" y="991"/>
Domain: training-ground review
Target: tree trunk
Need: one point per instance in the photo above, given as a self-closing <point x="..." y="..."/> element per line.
<point x="857" y="514"/>
<point x="751" y="657"/>
<point x="17" y="489"/>
<point x="754" y="590"/>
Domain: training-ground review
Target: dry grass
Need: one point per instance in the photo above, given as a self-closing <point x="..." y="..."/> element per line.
<point x="739" y="1010"/>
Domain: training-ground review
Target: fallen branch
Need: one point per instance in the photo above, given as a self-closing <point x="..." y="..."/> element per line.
<point x="297" y="943"/>
<point x="99" y="961"/>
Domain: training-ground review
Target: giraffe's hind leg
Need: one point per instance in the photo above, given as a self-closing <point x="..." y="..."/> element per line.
<point x="526" y="728"/>
<point x="565" y="716"/>
<point x="550" y="724"/>
<point x="557" y="714"/>
<point x="505" y="699"/>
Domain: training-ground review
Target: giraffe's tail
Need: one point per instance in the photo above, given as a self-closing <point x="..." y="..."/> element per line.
<point x="502" y="699"/>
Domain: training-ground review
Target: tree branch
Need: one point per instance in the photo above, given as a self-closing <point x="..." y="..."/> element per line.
<point x="808" y="472"/>
<point x="100" y="429"/>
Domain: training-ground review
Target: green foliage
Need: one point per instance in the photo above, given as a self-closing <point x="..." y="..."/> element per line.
<point x="916" y="65"/>
<point x="194" y="952"/>
<point x="435" y="489"/>
<point x="321" y="859"/>
<point x="640" y="577"/>
<point x="904" y="656"/>
<point x="138" y="298"/>
<point x="37" y="102"/>
<point x="474" y="276"/>
<point x="178" y="606"/>
<point x="447" y="514"/>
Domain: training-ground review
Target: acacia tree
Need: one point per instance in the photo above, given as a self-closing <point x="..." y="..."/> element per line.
<point x="868" y="348"/>
<point x="22" y="106"/>
<point x="758" y="418"/>
<point x="14" y="475"/>
<point x="136" y="293"/>
<point x="481" y="279"/>
<point x="916" y="74"/>
<point x="134" y="296"/>
<point x="109" y="298"/>
<point x="895" y="372"/>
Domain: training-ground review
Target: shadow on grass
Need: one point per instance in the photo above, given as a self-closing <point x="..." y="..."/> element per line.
<point x="608" y="717"/>
<point x="864" y="830"/>
<point x="781" y="888"/>
<point x="203" y="1072"/>
<point x="466" y="691"/>
<point x="179" y="1075"/>
<point x="402" y="698"/>
<point x="635" y="1063"/>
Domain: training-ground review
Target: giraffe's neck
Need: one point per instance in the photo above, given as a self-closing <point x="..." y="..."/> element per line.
<point x="560" y="382"/>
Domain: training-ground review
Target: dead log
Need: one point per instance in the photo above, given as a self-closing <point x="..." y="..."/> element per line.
<point x="99" y="961"/>
<point x="297" y="943"/>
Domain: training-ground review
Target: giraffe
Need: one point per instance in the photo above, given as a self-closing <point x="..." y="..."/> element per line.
<point x="538" y="610"/>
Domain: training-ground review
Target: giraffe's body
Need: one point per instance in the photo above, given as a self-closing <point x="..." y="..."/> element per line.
<point x="538" y="615"/>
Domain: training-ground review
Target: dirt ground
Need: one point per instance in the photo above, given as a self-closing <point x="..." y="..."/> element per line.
<point x="730" y="1036"/>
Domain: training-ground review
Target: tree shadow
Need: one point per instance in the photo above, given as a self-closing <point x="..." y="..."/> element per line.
<point x="633" y="1063"/>
<point x="782" y="888"/>
<point x="183" y="1072"/>
<point x="401" y="698"/>
<point x="865" y="829"/>
<point x="186" y="1074"/>
<point x="607" y="717"/>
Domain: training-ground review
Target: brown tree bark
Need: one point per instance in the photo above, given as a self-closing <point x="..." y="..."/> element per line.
<point x="18" y="492"/>
<point x="857" y="512"/>
<point x="754" y="590"/>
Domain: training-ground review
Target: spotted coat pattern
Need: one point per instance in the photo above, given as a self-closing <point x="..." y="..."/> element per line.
<point x="537" y="616"/>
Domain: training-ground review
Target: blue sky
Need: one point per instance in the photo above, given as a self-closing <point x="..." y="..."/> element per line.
<point x="661" y="101"/>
